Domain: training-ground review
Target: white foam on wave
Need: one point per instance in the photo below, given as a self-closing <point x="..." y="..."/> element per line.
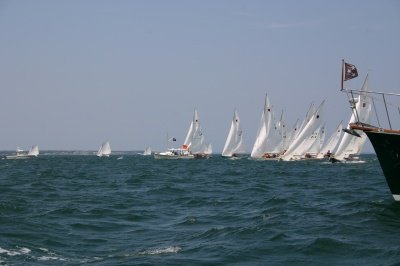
<point x="46" y="258"/>
<point x="49" y="256"/>
<point x="25" y="251"/>
<point x="15" y="252"/>
<point x="159" y="251"/>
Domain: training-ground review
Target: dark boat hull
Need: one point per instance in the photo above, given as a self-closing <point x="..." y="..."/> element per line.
<point x="387" y="148"/>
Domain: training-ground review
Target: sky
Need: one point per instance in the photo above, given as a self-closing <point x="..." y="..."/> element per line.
<point x="76" y="73"/>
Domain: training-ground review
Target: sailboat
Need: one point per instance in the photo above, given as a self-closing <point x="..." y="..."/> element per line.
<point x="269" y="139"/>
<point x="34" y="151"/>
<point x="147" y="151"/>
<point x="306" y="138"/>
<point x="351" y="145"/>
<point x="195" y="139"/>
<point x="104" y="150"/>
<point x="234" y="142"/>
<point x="329" y="148"/>
<point x="315" y="143"/>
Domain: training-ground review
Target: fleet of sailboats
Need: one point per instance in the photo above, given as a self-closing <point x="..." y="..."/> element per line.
<point x="274" y="141"/>
<point x="305" y="141"/>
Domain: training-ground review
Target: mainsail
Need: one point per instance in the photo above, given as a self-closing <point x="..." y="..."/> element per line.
<point x="234" y="142"/>
<point x="268" y="140"/>
<point x="331" y="145"/>
<point x="34" y="151"/>
<point x="285" y="134"/>
<point x="195" y="139"/>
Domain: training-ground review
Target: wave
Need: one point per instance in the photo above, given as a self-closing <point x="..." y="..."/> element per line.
<point x="15" y="252"/>
<point x="160" y="251"/>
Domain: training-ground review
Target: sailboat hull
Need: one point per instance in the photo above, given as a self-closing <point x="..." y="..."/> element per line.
<point x="172" y="156"/>
<point x="25" y="156"/>
<point x="387" y="148"/>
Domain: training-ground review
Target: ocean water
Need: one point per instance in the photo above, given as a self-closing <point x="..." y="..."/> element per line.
<point x="66" y="209"/>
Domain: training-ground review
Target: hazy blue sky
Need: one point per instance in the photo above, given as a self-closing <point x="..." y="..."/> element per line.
<point x="76" y="73"/>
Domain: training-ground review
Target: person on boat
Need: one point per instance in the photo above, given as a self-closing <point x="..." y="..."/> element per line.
<point x="328" y="154"/>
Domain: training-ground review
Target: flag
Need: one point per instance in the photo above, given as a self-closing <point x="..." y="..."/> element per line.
<point x="172" y="139"/>
<point x="350" y="71"/>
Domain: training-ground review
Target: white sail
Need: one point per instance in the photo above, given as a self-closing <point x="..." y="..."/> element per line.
<point x="34" y="151"/>
<point x="194" y="123"/>
<point x="234" y="141"/>
<point x="310" y="146"/>
<point x="351" y="145"/>
<point x="261" y="139"/>
<point x="268" y="140"/>
<point x="322" y="137"/>
<point x="310" y="113"/>
<point x="147" y="151"/>
<point x="291" y="135"/>
<point x="305" y="138"/>
<point x="285" y="134"/>
<point x="315" y="147"/>
<point x="332" y="142"/>
<point x="209" y="149"/>
<point x="105" y="150"/>
<point x="195" y="139"/>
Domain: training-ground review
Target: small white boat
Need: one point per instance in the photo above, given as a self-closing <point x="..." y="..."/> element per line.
<point x="20" y="154"/>
<point x="105" y="150"/>
<point x="173" y="153"/>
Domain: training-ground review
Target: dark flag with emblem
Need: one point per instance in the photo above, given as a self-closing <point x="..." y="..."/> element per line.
<point x="349" y="71"/>
<point x="172" y="140"/>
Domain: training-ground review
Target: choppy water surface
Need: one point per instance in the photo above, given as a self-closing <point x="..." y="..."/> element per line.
<point x="80" y="209"/>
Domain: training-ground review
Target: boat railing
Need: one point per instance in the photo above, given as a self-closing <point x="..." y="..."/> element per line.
<point x="379" y="96"/>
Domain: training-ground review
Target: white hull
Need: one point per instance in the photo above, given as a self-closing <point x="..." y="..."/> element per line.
<point x="235" y="157"/>
<point x="103" y="155"/>
<point x="25" y="156"/>
<point x="172" y="156"/>
<point x="266" y="159"/>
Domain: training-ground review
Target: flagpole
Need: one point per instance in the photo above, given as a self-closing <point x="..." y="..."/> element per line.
<point x="342" y="74"/>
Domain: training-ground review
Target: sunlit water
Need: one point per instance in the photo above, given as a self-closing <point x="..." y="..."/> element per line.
<point x="130" y="209"/>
